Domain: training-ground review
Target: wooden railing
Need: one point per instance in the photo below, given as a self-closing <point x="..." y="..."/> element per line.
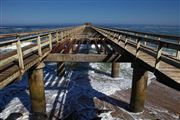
<point x="146" y="41"/>
<point x="36" y="44"/>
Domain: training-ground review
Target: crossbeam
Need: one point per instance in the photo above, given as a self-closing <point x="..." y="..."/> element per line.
<point x="57" y="57"/>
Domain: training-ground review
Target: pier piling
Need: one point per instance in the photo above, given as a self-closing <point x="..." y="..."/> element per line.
<point x="115" y="70"/>
<point x="36" y="87"/>
<point x="139" y="86"/>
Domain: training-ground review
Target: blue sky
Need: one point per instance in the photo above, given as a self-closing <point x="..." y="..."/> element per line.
<point x="36" y="12"/>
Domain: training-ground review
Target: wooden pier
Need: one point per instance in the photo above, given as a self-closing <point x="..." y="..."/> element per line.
<point x="146" y="52"/>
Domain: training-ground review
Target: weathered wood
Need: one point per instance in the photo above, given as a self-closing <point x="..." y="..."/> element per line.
<point x="36" y="88"/>
<point x="107" y="49"/>
<point x="138" y="46"/>
<point x="126" y="42"/>
<point x="115" y="71"/>
<point x="85" y="58"/>
<point x="39" y="45"/>
<point x="158" y="57"/>
<point x="57" y="37"/>
<point x="11" y="71"/>
<point x="20" y="56"/>
<point x="50" y="41"/>
<point x="147" y="56"/>
<point x="139" y="87"/>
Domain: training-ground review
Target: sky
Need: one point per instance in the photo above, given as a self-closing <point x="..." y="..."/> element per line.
<point x="51" y="12"/>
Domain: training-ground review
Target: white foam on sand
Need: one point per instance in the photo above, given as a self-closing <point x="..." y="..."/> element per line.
<point x="85" y="82"/>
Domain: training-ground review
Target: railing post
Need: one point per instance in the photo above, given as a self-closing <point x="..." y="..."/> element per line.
<point x="126" y="42"/>
<point x="138" y="45"/>
<point x="119" y="38"/>
<point x="158" y="55"/>
<point x="39" y="45"/>
<point x="20" y="55"/>
<point x="57" y="37"/>
<point x="145" y="42"/>
<point x="61" y="35"/>
<point x="50" y="41"/>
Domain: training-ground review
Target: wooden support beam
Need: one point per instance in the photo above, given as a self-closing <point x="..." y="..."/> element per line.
<point x="60" y="69"/>
<point x="56" y="57"/>
<point x="97" y="48"/>
<point x="101" y="48"/>
<point x="36" y="89"/>
<point x="78" y="47"/>
<point x="139" y="86"/>
<point x="106" y="47"/>
<point x="115" y="70"/>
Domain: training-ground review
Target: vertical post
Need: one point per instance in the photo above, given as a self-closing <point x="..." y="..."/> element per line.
<point x="139" y="86"/>
<point x="101" y="48"/>
<point x="50" y="41"/>
<point x="36" y="87"/>
<point x="20" y="55"/>
<point x="57" y="37"/>
<point x="60" y="69"/>
<point x="61" y="36"/>
<point x="115" y="70"/>
<point x="126" y="42"/>
<point x="138" y="44"/>
<point x="119" y="38"/>
<point x="158" y="55"/>
<point x="145" y="42"/>
<point x="39" y="45"/>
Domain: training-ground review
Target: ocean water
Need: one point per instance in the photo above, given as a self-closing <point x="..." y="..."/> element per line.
<point x="17" y="29"/>
<point x="159" y="29"/>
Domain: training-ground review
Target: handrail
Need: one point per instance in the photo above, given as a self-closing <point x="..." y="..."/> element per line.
<point x="39" y="41"/>
<point x="167" y="44"/>
<point x="31" y="37"/>
<point x="2" y="36"/>
<point x="117" y="36"/>
<point x="165" y="36"/>
<point x="43" y="41"/>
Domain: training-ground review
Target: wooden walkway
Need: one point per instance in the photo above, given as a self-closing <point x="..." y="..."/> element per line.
<point x="119" y="46"/>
